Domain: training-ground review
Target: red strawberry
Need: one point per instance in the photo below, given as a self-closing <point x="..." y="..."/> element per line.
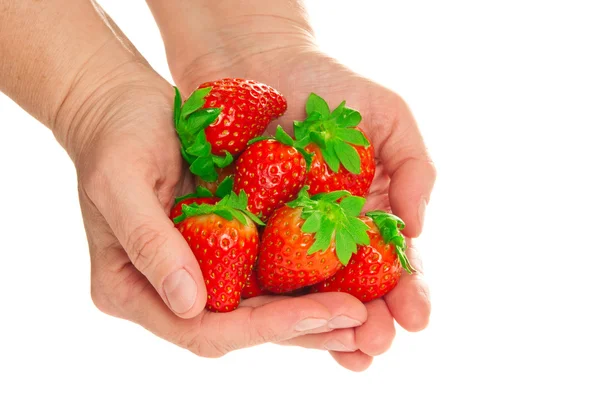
<point x="202" y="195"/>
<point x="309" y="239"/>
<point x="252" y="288"/>
<point x="375" y="269"/>
<point x="216" y="122"/>
<point x="271" y="171"/>
<point x="224" y="239"/>
<point x="344" y="157"/>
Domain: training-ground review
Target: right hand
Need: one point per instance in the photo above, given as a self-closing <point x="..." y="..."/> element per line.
<point x="129" y="169"/>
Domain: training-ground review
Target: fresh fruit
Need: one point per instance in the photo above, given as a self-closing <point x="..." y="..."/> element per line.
<point x="375" y="268"/>
<point x="343" y="156"/>
<point x="202" y="195"/>
<point x="309" y="239"/>
<point x="218" y="119"/>
<point x="224" y="239"/>
<point x="252" y="288"/>
<point x="271" y="171"/>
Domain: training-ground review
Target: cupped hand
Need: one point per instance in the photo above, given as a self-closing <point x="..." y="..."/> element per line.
<point x="129" y="172"/>
<point x="403" y="182"/>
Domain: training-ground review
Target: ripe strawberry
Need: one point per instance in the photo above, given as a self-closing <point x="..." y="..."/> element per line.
<point x="224" y="239"/>
<point x="252" y="288"/>
<point x="217" y="120"/>
<point x="309" y="239"/>
<point x="202" y="195"/>
<point x="271" y="171"/>
<point x="375" y="269"/>
<point x="344" y="157"/>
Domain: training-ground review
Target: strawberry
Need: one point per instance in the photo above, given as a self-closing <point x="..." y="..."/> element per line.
<point x="271" y="171"/>
<point x="224" y="239"/>
<point x="202" y="195"/>
<point x="218" y="119"/>
<point x="375" y="268"/>
<point x="343" y="156"/>
<point x="252" y="288"/>
<point x="309" y="239"/>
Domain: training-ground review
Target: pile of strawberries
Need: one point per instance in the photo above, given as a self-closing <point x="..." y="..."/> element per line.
<point x="281" y="215"/>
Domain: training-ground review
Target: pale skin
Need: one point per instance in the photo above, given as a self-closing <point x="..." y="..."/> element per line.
<point x="80" y="76"/>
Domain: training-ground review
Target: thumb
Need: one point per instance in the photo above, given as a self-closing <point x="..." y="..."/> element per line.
<point x="155" y="246"/>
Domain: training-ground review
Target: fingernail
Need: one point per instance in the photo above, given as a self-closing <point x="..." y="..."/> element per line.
<point x="180" y="289"/>
<point x="342" y="322"/>
<point x="310" y="323"/>
<point x="422" y="210"/>
<point x="336" y="345"/>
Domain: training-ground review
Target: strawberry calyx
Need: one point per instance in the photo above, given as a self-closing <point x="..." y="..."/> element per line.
<point x="334" y="132"/>
<point x="285" y="139"/>
<point x="224" y="189"/>
<point x="230" y="207"/>
<point x="333" y="219"/>
<point x="389" y="227"/>
<point x="190" y="120"/>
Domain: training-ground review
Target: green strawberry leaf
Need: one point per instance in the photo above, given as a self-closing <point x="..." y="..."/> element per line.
<point x="316" y="104"/>
<point x="330" y="157"/>
<point x="224" y="188"/>
<point x="312" y="223"/>
<point x="194" y="102"/>
<point x="200" y="147"/>
<point x="348" y="155"/>
<point x="222" y="161"/>
<point x="353" y="205"/>
<point x="345" y="245"/>
<point x="205" y="169"/>
<point x="254" y="218"/>
<point x="358" y="229"/>
<point x="240" y="216"/>
<point x="308" y="157"/>
<point x="223" y="213"/>
<point x="322" y="236"/>
<point x="348" y="118"/>
<point x="281" y="136"/>
<point x="186" y="156"/>
<point x="177" y="107"/>
<point x="338" y="111"/>
<point x="258" y="139"/>
<point x="333" y="196"/>
<point x="200" y="120"/>
<point x="352" y="136"/>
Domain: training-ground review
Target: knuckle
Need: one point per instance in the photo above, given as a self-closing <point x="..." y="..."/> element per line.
<point x="144" y="246"/>
<point x="204" y="346"/>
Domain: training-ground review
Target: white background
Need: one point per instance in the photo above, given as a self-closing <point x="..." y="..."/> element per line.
<point x="507" y="95"/>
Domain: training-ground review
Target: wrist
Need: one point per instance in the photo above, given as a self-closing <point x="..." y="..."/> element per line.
<point x="203" y="40"/>
<point x="92" y="103"/>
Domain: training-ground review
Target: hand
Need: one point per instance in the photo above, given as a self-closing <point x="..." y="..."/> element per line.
<point x="129" y="171"/>
<point x="403" y="182"/>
